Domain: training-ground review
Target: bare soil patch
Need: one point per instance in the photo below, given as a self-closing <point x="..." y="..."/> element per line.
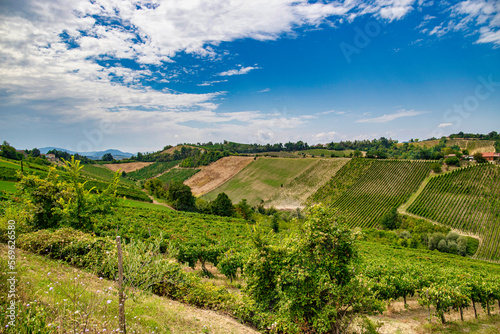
<point x="128" y="167"/>
<point x="216" y="174"/>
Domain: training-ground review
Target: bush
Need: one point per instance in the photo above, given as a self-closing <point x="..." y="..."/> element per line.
<point x="442" y="246"/>
<point x="391" y="220"/>
<point x="309" y="280"/>
<point x="452" y="161"/>
<point x="436" y="167"/>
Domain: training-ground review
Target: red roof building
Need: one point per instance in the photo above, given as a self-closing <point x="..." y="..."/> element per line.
<point x="490" y="156"/>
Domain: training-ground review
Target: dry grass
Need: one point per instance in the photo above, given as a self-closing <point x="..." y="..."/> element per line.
<point x="216" y="174"/>
<point x="128" y="167"/>
<point x="145" y="313"/>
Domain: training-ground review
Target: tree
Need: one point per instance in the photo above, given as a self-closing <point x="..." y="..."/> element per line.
<point x="436" y="167"/>
<point x="9" y="152"/>
<point x="310" y="278"/>
<point x="357" y="154"/>
<point x="244" y="210"/>
<point x="107" y="157"/>
<point x="479" y="158"/>
<point x="181" y="197"/>
<point x="35" y="153"/>
<point x="391" y="220"/>
<point x="452" y="161"/>
<point x="222" y="206"/>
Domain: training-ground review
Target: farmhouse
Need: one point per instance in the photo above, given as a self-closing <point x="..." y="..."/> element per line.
<point x="490" y="156"/>
<point x="50" y="157"/>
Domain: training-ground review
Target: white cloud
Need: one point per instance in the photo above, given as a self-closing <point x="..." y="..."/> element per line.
<point x="326" y="136"/>
<point x="445" y="125"/>
<point x="392" y="117"/>
<point x="243" y="70"/>
<point x="265" y="90"/>
<point x="473" y="17"/>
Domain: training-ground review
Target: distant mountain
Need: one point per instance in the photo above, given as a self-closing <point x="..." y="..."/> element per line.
<point x="117" y="154"/>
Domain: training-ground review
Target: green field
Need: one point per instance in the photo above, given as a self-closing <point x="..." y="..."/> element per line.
<point x="363" y="191"/>
<point x="143" y="205"/>
<point x="178" y="174"/>
<point x="152" y="170"/>
<point x="261" y="179"/>
<point x="103" y="174"/>
<point x="8" y="186"/>
<point x="468" y="200"/>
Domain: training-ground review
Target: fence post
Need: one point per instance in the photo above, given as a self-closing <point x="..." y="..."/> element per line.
<point x="121" y="297"/>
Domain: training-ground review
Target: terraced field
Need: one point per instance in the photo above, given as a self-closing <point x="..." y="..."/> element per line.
<point x="468" y="200"/>
<point x="363" y="191"/>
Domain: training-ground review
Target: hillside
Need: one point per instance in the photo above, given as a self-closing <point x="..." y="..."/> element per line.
<point x="364" y="190"/>
<point x="294" y="194"/>
<point x="262" y="179"/>
<point x="216" y="174"/>
<point x="472" y="145"/>
<point x="466" y="199"/>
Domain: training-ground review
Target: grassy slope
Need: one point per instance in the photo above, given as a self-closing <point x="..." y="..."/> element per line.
<point x="262" y="179"/>
<point x="473" y="145"/>
<point x="145" y="313"/>
<point x="8" y="186"/>
<point x="102" y="173"/>
<point x="295" y="193"/>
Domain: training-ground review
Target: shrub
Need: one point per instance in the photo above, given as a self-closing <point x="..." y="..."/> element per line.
<point x="309" y="280"/>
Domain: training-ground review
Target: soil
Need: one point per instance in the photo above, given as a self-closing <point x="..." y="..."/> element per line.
<point x="217" y="173"/>
<point x="128" y="167"/>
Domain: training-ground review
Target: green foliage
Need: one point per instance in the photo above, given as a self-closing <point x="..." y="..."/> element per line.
<point x="244" y="210"/>
<point x="107" y="157"/>
<point x="9" y="152"/>
<point x="78" y="206"/>
<point x="222" y="206"/>
<point x="43" y="197"/>
<point x="54" y="202"/>
<point x="436" y="167"/>
<point x="180" y="196"/>
<point x="309" y="279"/>
<point x="479" y="158"/>
<point x="229" y="263"/>
<point x="391" y="220"/>
<point x="156" y="188"/>
<point x="452" y="161"/>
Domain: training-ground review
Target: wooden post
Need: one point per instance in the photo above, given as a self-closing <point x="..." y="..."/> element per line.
<point x="121" y="298"/>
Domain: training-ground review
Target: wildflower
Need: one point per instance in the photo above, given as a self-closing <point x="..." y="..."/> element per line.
<point x="51" y="288"/>
<point x="108" y="301"/>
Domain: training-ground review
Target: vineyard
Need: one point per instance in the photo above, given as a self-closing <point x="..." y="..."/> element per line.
<point x="467" y="200"/>
<point x="363" y="191"/>
<point x="178" y="174"/>
<point x="152" y="170"/>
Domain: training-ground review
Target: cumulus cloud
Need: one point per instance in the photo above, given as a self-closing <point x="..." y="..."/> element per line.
<point x="391" y="117"/>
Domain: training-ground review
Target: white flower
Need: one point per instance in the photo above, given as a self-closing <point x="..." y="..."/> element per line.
<point x="108" y="301"/>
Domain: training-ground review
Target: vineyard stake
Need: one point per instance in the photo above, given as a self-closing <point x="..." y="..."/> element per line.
<point x="121" y="299"/>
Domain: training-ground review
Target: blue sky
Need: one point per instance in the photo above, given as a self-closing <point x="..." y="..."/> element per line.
<point x="138" y="75"/>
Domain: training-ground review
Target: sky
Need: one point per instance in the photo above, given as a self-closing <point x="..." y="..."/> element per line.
<point x="137" y="75"/>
